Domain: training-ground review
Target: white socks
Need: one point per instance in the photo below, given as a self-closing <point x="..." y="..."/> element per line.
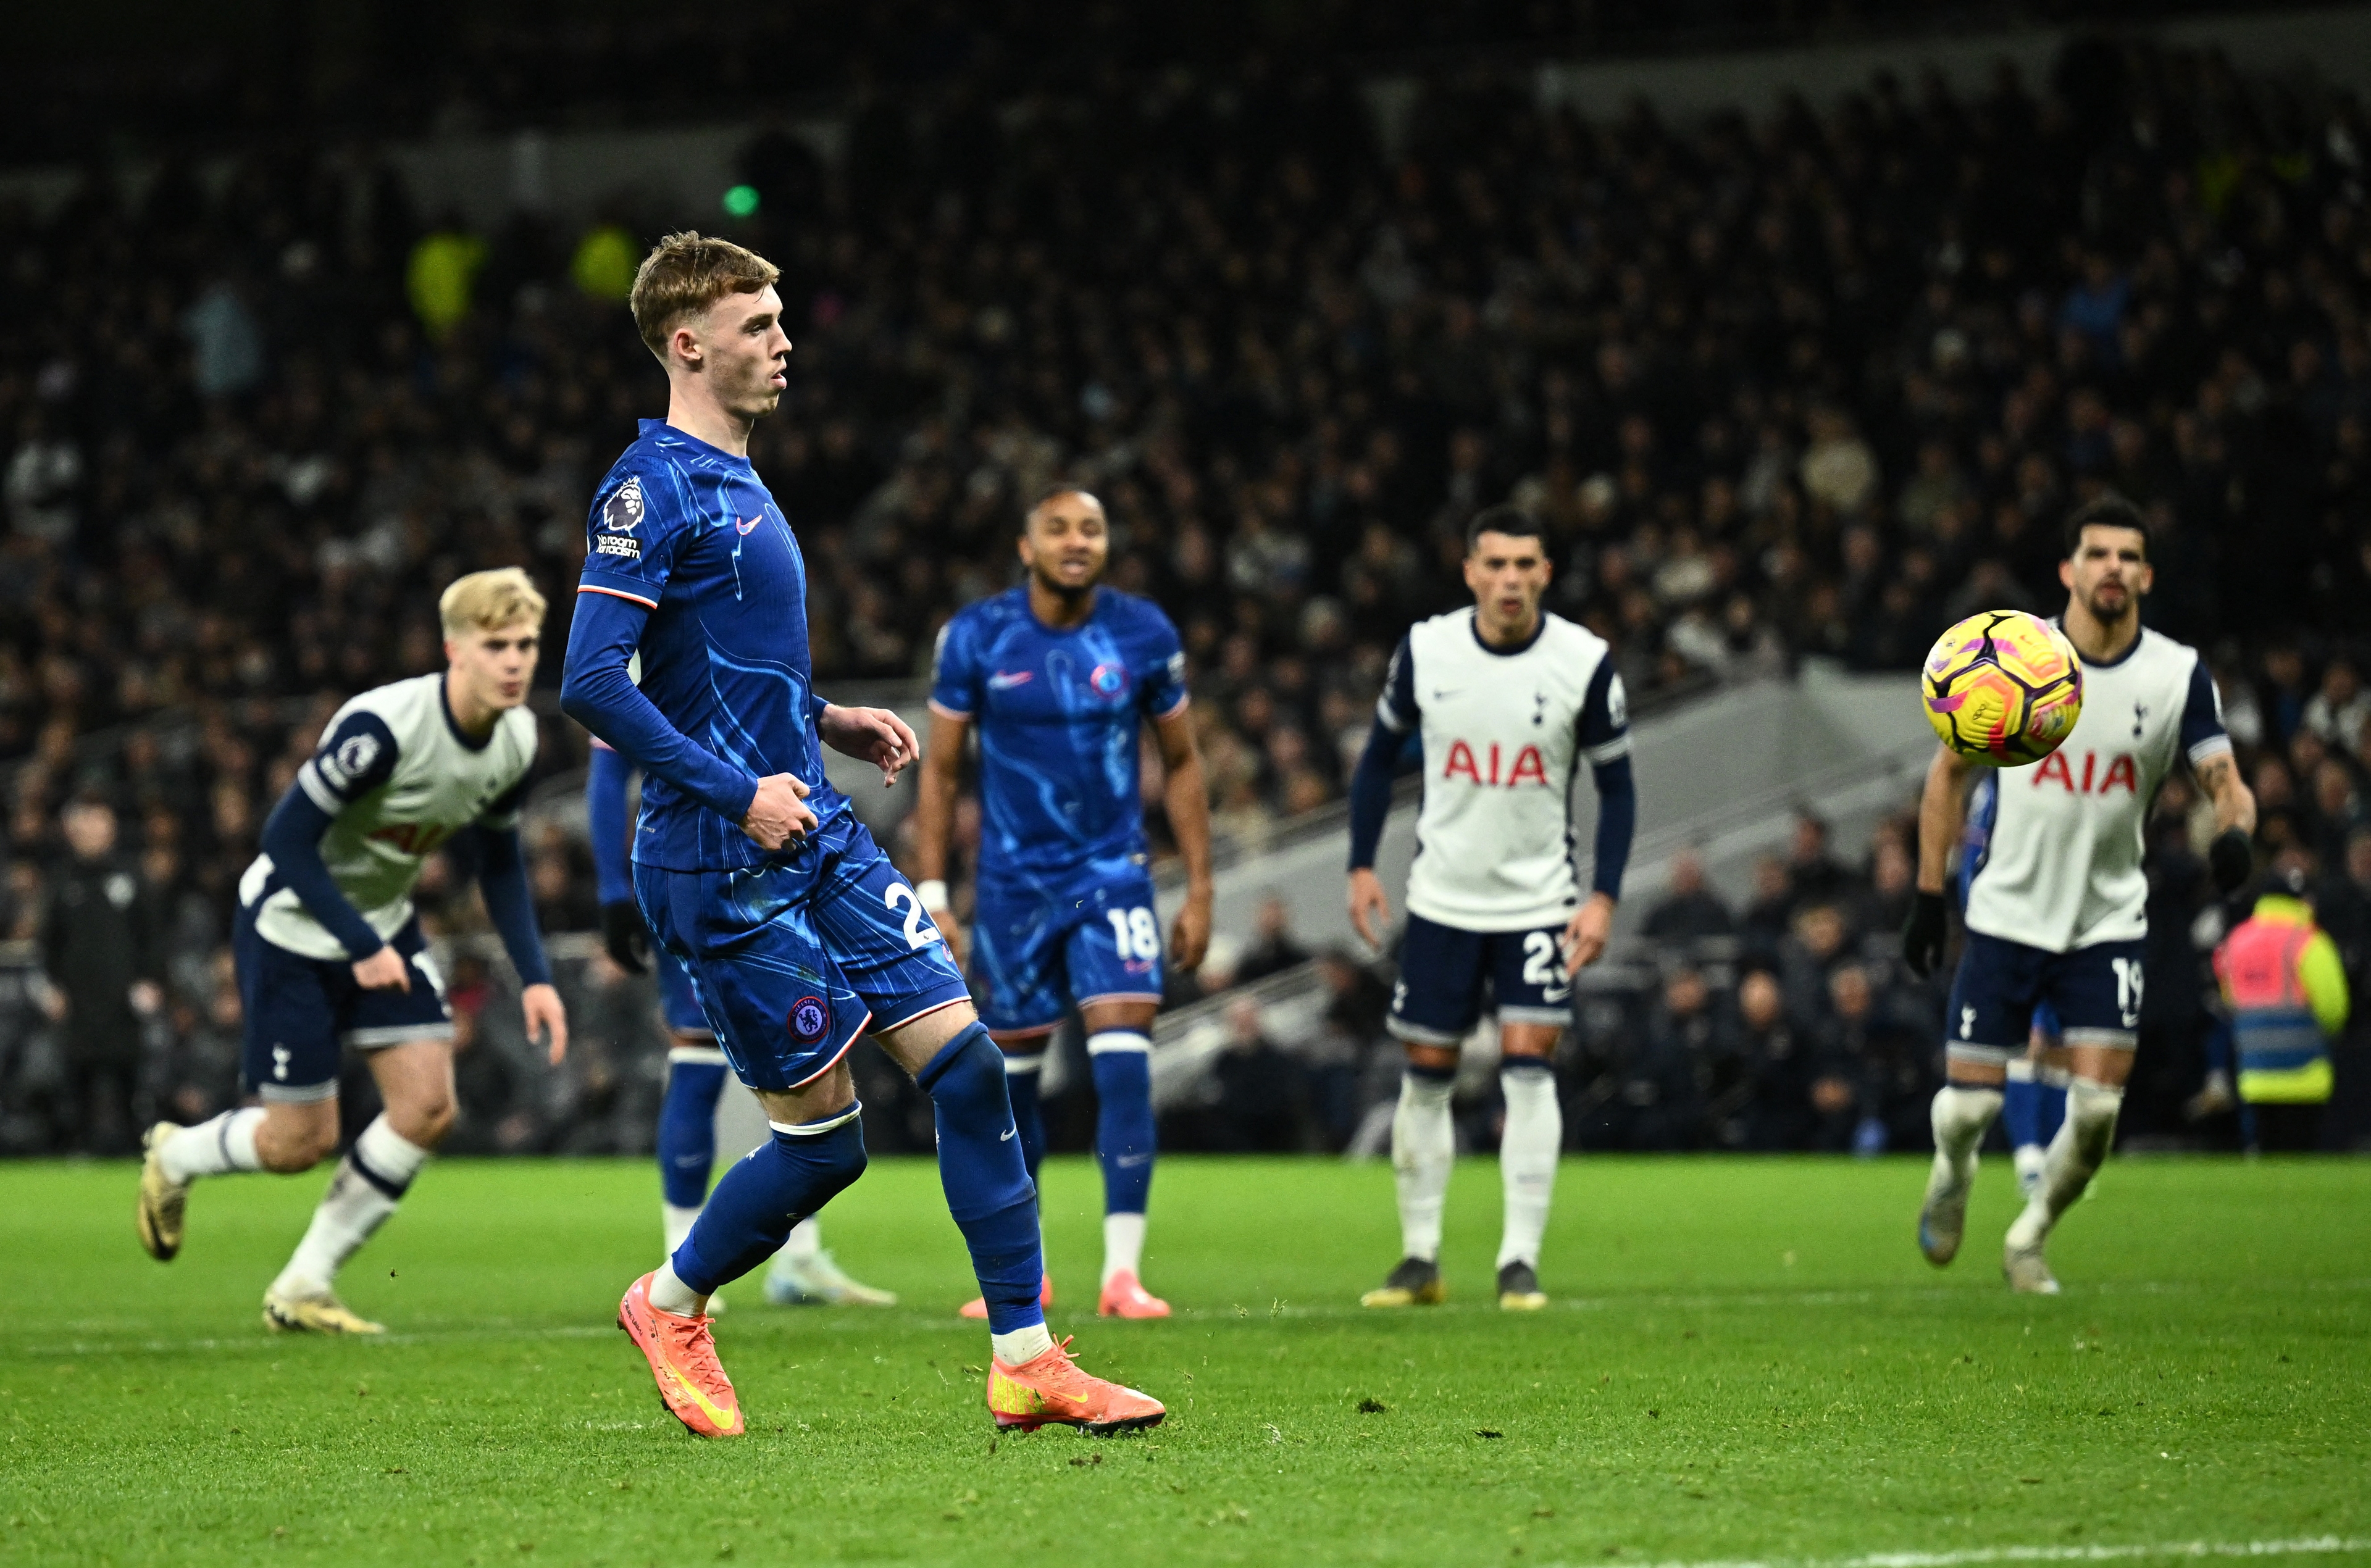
<point x="677" y="1222"/>
<point x="2075" y="1156"/>
<point x="1123" y="1244"/>
<point x="1424" y="1143"/>
<point x="1020" y="1345"/>
<point x="1527" y="1159"/>
<point x="1961" y="1116"/>
<point x="369" y="1182"/>
<point x="669" y="1294"/>
<point x="806" y="1242"/>
<point x="214" y="1147"/>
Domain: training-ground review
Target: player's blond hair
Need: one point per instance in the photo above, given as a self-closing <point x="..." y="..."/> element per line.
<point x="686" y="272"/>
<point x="489" y="601"/>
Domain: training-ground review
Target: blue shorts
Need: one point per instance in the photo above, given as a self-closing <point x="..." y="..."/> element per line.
<point x="793" y="962"/>
<point x="678" y="998"/>
<point x="1039" y="949"/>
<point x="2095" y="992"/>
<point x="301" y="1012"/>
<point x="1443" y="971"/>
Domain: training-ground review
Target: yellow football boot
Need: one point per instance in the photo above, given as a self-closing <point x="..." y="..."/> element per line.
<point x="319" y="1314"/>
<point x="163" y="1201"/>
<point x="1416" y="1283"/>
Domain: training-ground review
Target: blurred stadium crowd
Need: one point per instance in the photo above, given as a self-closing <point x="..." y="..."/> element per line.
<point x="1809" y="386"/>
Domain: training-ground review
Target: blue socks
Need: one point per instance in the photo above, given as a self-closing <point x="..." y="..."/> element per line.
<point x="1020" y="1076"/>
<point x="2032" y="1105"/>
<point x="986" y="1178"/>
<point x="1122" y="1060"/>
<point x="2021" y="1105"/>
<point x="782" y="1182"/>
<point x="688" y="1131"/>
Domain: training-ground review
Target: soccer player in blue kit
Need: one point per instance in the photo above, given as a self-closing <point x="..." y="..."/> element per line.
<point x="752" y="869"/>
<point x="1059" y="676"/>
<point x="804" y="1272"/>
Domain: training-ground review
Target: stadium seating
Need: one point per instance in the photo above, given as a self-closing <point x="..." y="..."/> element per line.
<point x="1810" y="385"/>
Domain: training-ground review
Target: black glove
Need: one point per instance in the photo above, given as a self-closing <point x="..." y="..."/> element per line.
<point x="2232" y="859"/>
<point x="1923" y="934"/>
<point x="628" y="940"/>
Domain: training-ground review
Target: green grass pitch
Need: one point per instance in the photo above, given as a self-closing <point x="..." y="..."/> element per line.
<point x="1745" y="1359"/>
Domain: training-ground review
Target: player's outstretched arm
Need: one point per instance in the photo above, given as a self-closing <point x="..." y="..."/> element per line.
<point x="1591" y="924"/>
<point x="935" y="815"/>
<point x="596" y="691"/>
<point x="1370" y="805"/>
<point x="869" y="735"/>
<point x="510" y="905"/>
<point x="623" y="934"/>
<point x="1942" y="811"/>
<point x="292" y="839"/>
<point x="2232" y="854"/>
<point x="1185" y="795"/>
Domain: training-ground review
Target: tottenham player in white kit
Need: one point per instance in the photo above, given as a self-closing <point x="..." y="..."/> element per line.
<point x="2055" y="908"/>
<point x="1508" y="701"/>
<point x="330" y="953"/>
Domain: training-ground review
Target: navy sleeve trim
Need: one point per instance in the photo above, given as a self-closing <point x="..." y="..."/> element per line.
<point x="292" y="839"/>
<point x="1604" y="731"/>
<point x="1396" y="709"/>
<point x="1617" y="822"/>
<point x="356" y="756"/>
<point x="2203" y="734"/>
<point x="510" y="905"/>
<point x="1371" y="792"/>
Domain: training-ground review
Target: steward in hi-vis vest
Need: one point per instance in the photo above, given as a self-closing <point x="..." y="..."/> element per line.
<point x="2286" y="990"/>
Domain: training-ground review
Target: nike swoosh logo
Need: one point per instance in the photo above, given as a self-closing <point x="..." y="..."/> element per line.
<point x="1439" y="695"/>
<point x="1001" y="681"/>
<point x="691" y="1391"/>
<point x="1006" y="1135"/>
<point x="752" y="523"/>
<point x="1563" y="995"/>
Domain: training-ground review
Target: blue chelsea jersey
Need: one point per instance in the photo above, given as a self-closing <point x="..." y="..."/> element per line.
<point x="691" y="531"/>
<point x="1058" y="714"/>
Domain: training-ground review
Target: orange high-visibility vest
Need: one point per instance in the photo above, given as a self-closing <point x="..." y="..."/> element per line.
<point x="2283" y="1056"/>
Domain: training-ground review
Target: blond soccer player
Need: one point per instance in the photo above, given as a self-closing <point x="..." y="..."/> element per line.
<point x="330" y="955"/>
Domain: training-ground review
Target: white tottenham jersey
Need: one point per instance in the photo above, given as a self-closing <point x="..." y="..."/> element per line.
<point x="1502" y="733"/>
<point x="400" y="780"/>
<point x="2060" y="859"/>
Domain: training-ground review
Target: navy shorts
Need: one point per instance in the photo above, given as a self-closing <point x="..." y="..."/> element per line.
<point x="1040" y="948"/>
<point x="1443" y="971"/>
<point x="2095" y="992"/>
<point x="793" y="962"/>
<point x="301" y="1012"/>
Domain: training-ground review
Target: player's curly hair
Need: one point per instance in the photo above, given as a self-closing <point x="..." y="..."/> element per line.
<point x="2106" y="509"/>
<point x="686" y="272"/>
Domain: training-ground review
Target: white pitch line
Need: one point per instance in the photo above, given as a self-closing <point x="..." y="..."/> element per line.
<point x="2306" y="1545"/>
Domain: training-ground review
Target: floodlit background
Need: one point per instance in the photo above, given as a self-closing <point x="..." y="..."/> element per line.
<point x="1801" y="324"/>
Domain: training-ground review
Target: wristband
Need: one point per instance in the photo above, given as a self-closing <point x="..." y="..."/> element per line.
<point x="932" y="893"/>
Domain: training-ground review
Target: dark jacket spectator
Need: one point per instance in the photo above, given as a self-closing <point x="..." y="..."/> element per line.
<point x="1275" y="950"/>
<point x="98" y="944"/>
<point x="1689" y="910"/>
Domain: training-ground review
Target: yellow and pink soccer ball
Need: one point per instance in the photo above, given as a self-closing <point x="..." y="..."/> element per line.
<point x="2003" y="687"/>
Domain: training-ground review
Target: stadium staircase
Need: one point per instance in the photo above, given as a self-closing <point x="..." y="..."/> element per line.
<point x="1725" y="775"/>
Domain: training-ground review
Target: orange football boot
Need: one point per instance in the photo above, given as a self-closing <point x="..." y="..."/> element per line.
<point x="1051" y="1388"/>
<point x="1125" y="1297"/>
<point x="977" y="1306"/>
<point x="682" y="1354"/>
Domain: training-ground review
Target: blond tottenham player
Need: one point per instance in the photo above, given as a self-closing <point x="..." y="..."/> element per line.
<point x="1508" y="702"/>
<point x="330" y="951"/>
<point x="2054" y="910"/>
